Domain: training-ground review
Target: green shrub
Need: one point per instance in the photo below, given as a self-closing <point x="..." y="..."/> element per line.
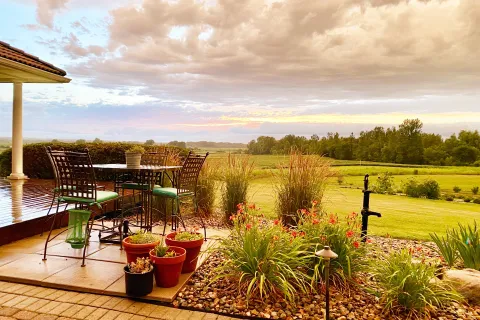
<point x="449" y="198"/>
<point x="467" y="199"/>
<point x="262" y="258"/>
<point x="37" y="165"/>
<point x="206" y="189"/>
<point x="476" y="200"/>
<point x="475" y="190"/>
<point x="407" y="286"/>
<point x="384" y="183"/>
<point x="462" y="243"/>
<point x="457" y="189"/>
<point x="319" y="230"/>
<point x="135" y="149"/>
<point x="301" y="182"/>
<point x="235" y="175"/>
<point x="429" y="189"/>
<point x="415" y="172"/>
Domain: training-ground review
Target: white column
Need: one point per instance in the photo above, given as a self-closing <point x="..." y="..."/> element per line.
<point x="17" y="134"/>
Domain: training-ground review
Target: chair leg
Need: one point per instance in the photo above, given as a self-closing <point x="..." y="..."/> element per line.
<point x="50" y="233"/>
<point x="164" y="205"/>
<point x="48" y="213"/>
<point x="87" y="236"/>
<point x="195" y="212"/>
<point x="179" y="217"/>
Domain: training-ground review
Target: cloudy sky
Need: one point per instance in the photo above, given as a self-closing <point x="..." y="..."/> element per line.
<point x="230" y="70"/>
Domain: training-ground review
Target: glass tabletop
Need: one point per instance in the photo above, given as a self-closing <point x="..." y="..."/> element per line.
<point x="116" y="167"/>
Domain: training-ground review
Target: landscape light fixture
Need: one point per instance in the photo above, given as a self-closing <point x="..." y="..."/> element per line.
<point x="327" y="254"/>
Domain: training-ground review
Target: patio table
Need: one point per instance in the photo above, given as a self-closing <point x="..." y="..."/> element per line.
<point x="147" y="175"/>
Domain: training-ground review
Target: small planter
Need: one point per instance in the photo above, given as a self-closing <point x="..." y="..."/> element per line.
<point x="133" y="159"/>
<point x="168" y="269"/>
<point x="138" y="284"/>
<point x="192" y="248"/>
<point x="135" y="251"/>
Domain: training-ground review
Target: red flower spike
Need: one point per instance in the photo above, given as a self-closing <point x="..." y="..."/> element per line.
<point x="248" y="226"/>
<point x="276" y="222"/>
<point x="350" y="233"/>
<point x="356" y="244"/>
<point x="315" y="221"/>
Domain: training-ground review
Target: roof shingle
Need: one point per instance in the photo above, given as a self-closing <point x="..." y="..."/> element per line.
<point x="20" y="56"/>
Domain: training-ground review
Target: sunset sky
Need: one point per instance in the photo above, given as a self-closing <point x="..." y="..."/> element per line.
<point x="231" y="70"/>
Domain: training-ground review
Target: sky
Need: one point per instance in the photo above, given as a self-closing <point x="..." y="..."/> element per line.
<point x="232" y="70"/>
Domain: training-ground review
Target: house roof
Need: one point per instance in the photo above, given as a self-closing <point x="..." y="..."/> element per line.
<point x="20" y="56"/>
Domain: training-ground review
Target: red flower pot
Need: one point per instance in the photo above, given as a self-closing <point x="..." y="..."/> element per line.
<point x="192" y="248"/>
<point x="168" y="269"/>
<point x="135" y="251"/>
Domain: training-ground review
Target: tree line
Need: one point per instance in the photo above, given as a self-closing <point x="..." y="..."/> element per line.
<point x="406" y="143"/>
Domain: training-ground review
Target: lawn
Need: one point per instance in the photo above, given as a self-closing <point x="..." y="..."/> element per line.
<point x="402" y="217"/>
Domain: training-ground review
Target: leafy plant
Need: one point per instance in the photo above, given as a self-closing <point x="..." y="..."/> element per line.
<point x="476" y="200"/>
<point x="263" y="258"/>
<point x="475" y="190"/>
<point x="143" y="237"/>
<point x="446" y="247"/>
<point x="467" y="199"/>
<point x="136" y="149"/>
<point x="456" y="189"/>
<point x="162" y="250"/>
<point x="142" y="265"/>
<point x="407" y="285"/>
<point x="188" y="236"/>
<point x="297" y="185"/>
<point x="235" y="176"/>
<point x="449" y="198"/>
<point x="343" y="237"/>
<point x="468" y="245"/>
<point x="206" y="191"/>
<point x="384" y="183"/>
<point x="430" y="189"/>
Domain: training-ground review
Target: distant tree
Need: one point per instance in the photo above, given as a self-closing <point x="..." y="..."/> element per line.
<point x="55" y="141"/>
<point x="81" y="141"/>
<point x="263" y="145"/>
<point x="465" y="154"/>
<point x="97" y="140"/>
<point x="410" y="141"/>
<point x="150" y="142"/>
<point x="180" y="144"/>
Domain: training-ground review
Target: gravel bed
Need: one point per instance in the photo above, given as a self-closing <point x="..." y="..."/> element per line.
<point x="223" y="296"/>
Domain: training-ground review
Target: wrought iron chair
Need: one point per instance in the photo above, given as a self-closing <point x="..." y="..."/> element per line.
<point x="76" y="178"/>
<point x="185" y="186"/>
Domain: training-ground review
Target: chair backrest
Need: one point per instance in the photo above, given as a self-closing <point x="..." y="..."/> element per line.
<point x="49" y="152"/>
<point x="75" y="174"/>
<point x="154" y="159"/>
<point x="188" y="177"/>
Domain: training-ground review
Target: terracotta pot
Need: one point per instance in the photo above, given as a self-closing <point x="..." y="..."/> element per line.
<point x="192" y="248"/>
<point x="135" y="251"/>
<point x="168" y="269"/>
<point x="133" y="160"/>
<point x="138" y="284"/>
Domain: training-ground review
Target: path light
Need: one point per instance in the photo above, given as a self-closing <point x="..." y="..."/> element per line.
<point x="327" y="254"/>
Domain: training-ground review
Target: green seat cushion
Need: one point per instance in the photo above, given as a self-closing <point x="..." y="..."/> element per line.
<point x="102" y="196"/>
<point x="169" y="192"/>
<point x="137" y="186"/>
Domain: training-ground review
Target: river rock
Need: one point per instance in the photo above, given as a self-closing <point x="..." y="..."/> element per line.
<point x="466" y="282"/>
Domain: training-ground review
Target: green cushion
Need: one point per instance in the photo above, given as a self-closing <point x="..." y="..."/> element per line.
<point x="168" y="192"/>
<point x="102" y="196"/>
<point x="137" y="186"/>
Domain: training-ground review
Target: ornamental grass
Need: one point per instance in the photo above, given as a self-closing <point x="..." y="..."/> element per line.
<point x="297" y="185"/>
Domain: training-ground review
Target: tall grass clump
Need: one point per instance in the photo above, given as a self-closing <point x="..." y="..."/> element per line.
<point x="462" y="243"/>
<point x="206" y="189"/>
<point x="298" y="184"/>
<point x="409" y="286"/>
<point x="262" y="258"/>
<point x="235" y="175"/>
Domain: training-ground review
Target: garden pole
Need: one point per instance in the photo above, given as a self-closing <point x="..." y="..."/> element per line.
<point x="326" y="253"/>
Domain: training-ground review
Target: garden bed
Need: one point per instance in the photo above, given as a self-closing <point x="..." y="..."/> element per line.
<point x="360" y="302"/>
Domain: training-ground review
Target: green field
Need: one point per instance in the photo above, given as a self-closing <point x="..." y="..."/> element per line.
<point x="402" y="217"/>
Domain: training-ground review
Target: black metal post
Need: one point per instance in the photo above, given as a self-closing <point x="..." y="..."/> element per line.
<point x="366" y="208"/>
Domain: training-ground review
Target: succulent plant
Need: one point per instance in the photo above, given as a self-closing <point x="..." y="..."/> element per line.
<point x="142" y="237"/>
<point x="142" y="265"/>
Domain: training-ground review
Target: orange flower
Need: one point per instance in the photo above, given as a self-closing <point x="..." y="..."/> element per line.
<point x="333" y="219"/>
<point x="369" y="240"/>
<point x="314" y="203"/>
<point x="315" y="221"/>
<point x="350" y="233"/>
<point x="276" y="222"/>
<point x="275" y="238"/>
<point x="252" y="206"/>
<point x="232" y="218"/>
<point x="248" y="226"/>
<point x="240" y="206"/>
<point x="356" y="244"/>
<point x="302" y="234"/>
<point x="294" y="234"/>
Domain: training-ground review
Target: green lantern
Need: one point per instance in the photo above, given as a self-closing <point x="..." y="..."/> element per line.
<point x="77" y="227"/>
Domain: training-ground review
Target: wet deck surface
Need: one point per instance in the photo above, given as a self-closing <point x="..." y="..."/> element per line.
<point x="23" y="200"/>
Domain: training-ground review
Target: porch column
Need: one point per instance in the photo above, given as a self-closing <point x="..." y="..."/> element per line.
<point x="17" y="134"/>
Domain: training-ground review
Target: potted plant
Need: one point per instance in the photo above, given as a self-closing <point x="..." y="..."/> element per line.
<point x="133" y="156"/>
<point x="139" y="245"/>
<point x="192" y="242"/>
<point x="139" y="277"/>
<point x="168" y="261"/>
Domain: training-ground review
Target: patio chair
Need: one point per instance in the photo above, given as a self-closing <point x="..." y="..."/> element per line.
<point x="78" y="187"/>
<point x="138" y="183"/>
<point x="56" y="188"/>
<point x="186" y="186"/>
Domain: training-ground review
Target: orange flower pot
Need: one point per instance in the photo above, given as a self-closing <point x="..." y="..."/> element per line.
<point x="167" y="269"/>
<point x="192" y="248"/>
<point x="135" y="251"/>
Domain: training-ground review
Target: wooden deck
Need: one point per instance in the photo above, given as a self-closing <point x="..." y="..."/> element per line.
<point x="23" y="200"/>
